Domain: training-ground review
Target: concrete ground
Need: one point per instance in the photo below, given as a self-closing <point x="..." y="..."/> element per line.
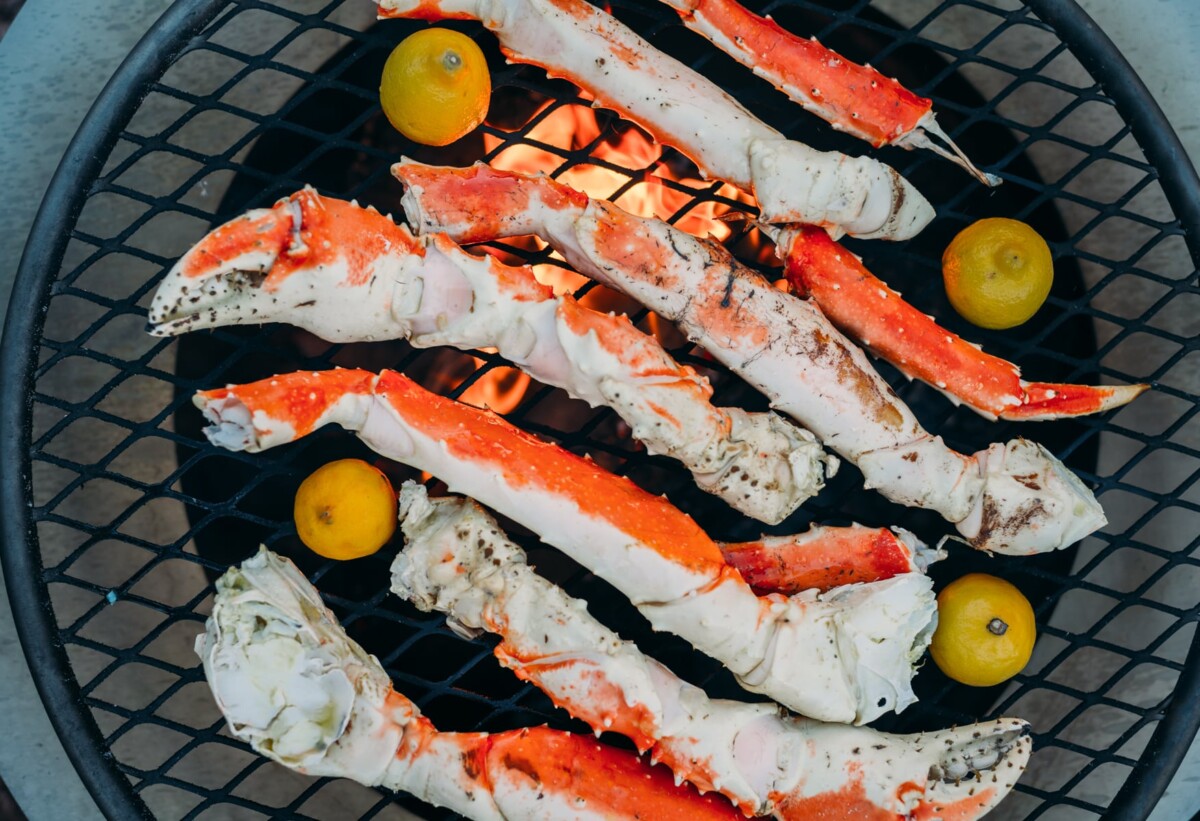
<point x="57" y="56"/>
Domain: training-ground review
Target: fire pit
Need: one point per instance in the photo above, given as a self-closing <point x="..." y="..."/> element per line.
<point x="121" y="514"/>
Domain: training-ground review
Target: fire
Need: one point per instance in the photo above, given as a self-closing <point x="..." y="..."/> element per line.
<point x="573" y="127"/>
<point x="647" y="193"/>
<point x="500" y="389"/>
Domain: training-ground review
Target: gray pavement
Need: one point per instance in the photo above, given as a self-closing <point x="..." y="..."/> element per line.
<point x="57" y="57"/>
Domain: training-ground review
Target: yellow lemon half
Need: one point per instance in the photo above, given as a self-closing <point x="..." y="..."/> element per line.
<point x="435" y="87"/>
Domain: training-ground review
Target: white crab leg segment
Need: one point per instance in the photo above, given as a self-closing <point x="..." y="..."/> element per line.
<point x="1013" y="498"/>
<point x="860" y="644"/>
<point x="350" y="274"/>
<point x="792" y="182"/>
<point x="292" y="684"/>
<point x="457" y="561"/>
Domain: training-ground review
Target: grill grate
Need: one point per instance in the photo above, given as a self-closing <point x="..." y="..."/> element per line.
<point x="130" y="516"/>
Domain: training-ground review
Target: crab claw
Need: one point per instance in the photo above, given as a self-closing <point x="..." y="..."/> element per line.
<point x="276" y="411"/>
<point x="333" y="260"/>
<point x="962" y="772"/>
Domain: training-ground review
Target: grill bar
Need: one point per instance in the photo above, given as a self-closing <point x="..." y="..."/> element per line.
<point x="120" y="515"/>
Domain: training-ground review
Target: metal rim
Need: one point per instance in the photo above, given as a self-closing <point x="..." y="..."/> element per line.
<point x="166" y="40"/>
<point x="64" y="198"/>
<point x="1104" y="61"/>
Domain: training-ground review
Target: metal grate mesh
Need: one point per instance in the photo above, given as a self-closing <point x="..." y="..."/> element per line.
<point x="135" y="516"/>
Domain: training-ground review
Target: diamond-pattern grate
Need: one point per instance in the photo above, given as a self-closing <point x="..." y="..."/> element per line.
<point x="132" y="515"/>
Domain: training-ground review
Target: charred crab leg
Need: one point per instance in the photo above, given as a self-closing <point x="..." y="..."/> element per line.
<point x="1011" y="498"/>
<point x="866" y="639"/>
<point x="853" y="98"/>
<point x="828" y="557"/>
<point x="865" y="308"/>
<point x="348" y="274"/>
<point x="457" y="561"/>
<point x="292" y="684"/>
<point x="791" y="181"/>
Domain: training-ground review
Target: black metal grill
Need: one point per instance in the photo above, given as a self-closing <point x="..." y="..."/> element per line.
<point x="121" y="515"/>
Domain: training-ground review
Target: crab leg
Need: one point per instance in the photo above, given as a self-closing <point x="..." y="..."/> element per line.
<point x="1011" y="498"/>
<point x="292" y="684"/>
<point x="348" y="273"/>
<point x="865" y="308"/>
<point x="456" y="560"/>
<point x="846" y="657"/>
<point x="677" y="106"/>
<point x="853" y="98"/>
<point x="828" y="557"/>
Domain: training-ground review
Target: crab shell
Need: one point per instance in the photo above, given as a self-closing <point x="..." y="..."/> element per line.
<point x="288" y="680"/>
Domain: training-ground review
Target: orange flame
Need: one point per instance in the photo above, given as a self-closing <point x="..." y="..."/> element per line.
<point x="573" y="127"/>
<point x="500" y="389"/>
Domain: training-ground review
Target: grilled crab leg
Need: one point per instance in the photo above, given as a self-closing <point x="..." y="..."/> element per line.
<point x="457" y="560"/>
<point x="677" y="106"/>
<point x="844" y="657"/>
<point x="348" y="273"/>
<point x="860" y="304"/>
<point x="1011" y="498"/>
<point x="853" y="98"/>
<point x="292" y="684"/>
<point x="828" y="557"/>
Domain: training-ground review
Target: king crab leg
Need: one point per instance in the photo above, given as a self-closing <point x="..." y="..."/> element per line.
<point x="828" y="557"/>
<point x="853" y="98"/>
<point x="677" y="106"/>
<point x="457" y="561"/>
<point x="292" y="684"/>
<point x="860" y="304"/>
<point x="1011" y="498"/>
<point x="350" y="274"/>
<point x="845" y="656"/>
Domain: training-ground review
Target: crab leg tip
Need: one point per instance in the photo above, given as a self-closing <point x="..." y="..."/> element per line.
<point x="1048" y="400"/>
